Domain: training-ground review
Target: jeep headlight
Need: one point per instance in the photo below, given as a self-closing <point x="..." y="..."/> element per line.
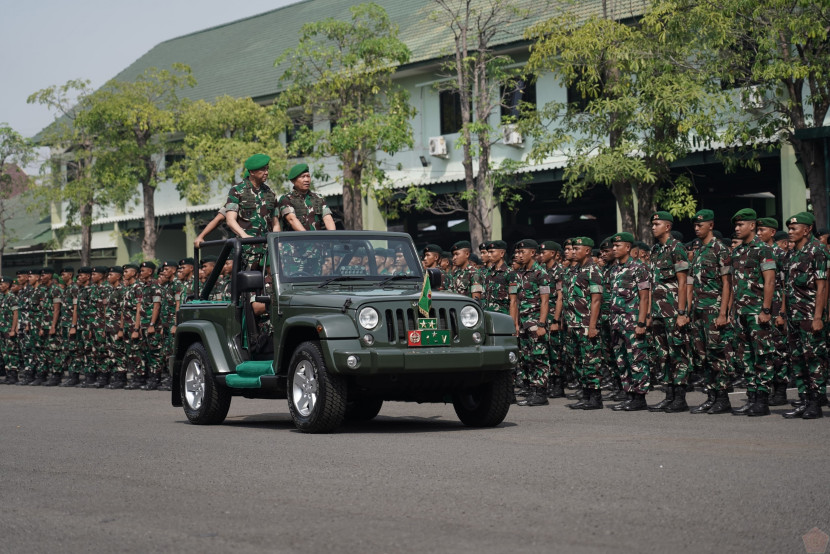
<point x="368" y="318"/>
<point x="469" y="316"/>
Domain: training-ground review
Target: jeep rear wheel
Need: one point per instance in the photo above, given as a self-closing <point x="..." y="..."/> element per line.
<point x="485" y="405"/>
<point x="316" y="398"/>
<point x="204" y="402"/>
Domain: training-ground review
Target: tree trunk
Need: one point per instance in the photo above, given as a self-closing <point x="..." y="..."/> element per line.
<point x="812" y="156"/>
<point x="645" y="207"/>
<point x="86" y="233"/>
<point x="483" y="203"/>
<point x="148" y="244"/>
<point x="352" y="200"/>
<point x="625" y="203"/>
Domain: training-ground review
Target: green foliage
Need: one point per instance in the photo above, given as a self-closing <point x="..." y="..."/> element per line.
<point x="340" y="74"/>
<point x="15" y="150"/>
<point x="678" y="199"/>
<point x="218" y="137"/>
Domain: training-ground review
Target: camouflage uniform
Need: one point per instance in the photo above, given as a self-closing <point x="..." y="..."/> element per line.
<point x="83" y="341"/>
<point x="779" y="334"/>
<point x="755" y="340"/>
<point x="69" y="343"/>
<point x="711" y="343"/>
<point x="99" y="298"/>
<point x="671" y="342"/>
<point x="150" y="295"/>
<point x="167" y="319"/>
<point x="609" y="365"/>
<point x="528" y="285"/>
<point x="112" y="325"/>
<point x="805" y="267"/>
<point x="255" y="212"/>
<point x="586" y="351"/>
<point x="221" y="289"/>
<point x="465" y="280"/>
<point x="625" y="281"/>
<point x="496" y="297"/>
<point x="132" y="347"/>
<point x="555" y="337"/>
<point x="310" y="210"/>
<point x="28" y="331"/>
<point x="568" y="365"/>
<point x="43" y="302"/>
<point x="9" y="303"/>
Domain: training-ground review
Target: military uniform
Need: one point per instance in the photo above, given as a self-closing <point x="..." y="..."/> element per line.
<point x="69" y="343"/>
<point x="44" y="300"/>
<point x="112" y="326"/>
<point x="26" y="332"/>
<point x="556" y="384"/>
<point x="309" y="208"/>
<point x="150" y="297"/>
<point x="9" y="302"/>
<point x="255" y="207"/>
<point x="132" y="346"/>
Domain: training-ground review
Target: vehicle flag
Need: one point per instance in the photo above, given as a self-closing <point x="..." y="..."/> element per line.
<point x="425" y="302"/>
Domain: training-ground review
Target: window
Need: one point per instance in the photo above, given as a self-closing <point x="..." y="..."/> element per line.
<point x="519" y="93"/>
<point x="450" y="105"/>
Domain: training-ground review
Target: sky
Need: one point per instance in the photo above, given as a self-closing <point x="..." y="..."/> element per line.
<point x="49" y="42"/>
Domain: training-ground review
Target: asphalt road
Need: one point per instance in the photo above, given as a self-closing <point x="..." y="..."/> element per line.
<point x="123" y="471"/>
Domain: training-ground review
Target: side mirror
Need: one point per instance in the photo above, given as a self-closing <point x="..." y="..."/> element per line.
<point x="434" y="278"/>
<point x="249" y="281"/>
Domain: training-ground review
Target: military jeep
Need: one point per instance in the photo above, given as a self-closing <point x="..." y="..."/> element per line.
<point x="334" y="327"/>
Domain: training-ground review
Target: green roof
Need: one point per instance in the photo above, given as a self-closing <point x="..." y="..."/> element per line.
<point x="26" y="229"/>
<point x="237" y="58"/>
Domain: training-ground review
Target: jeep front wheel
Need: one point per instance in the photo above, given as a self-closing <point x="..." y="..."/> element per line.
<point x="204" y="402"/>
<point x="485" y="405"/>
<point x="316" y="398"/>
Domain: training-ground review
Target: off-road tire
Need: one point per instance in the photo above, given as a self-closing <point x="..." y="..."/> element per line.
<point x="485" y="405"/>
<point x="321" y="406"/>
<point x="197" y="371"/>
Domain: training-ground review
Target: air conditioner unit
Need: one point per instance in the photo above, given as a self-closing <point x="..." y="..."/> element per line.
<point x="752" y="98"/>
<point x="512" y="137"/>
<point x="438" y="147"/>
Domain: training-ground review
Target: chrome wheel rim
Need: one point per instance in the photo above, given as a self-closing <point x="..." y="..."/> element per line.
<point x="305" y="388"/>
<point x="194" y="384"/>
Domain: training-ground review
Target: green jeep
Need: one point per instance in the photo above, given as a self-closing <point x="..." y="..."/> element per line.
<point x="337" y="322"/>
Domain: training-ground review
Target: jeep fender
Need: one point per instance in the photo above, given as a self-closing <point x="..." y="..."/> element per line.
<point x="212" y="338"/>
<point x="299" y="328"/>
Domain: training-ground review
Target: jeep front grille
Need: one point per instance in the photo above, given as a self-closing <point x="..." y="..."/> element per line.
<point x="399" y="322"/>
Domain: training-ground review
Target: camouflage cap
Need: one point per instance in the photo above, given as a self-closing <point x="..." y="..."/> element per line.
<point x="662" y="216"/>
<point x="623" y="237"/>
<point x="583" y="241"/>
<point x="461" y="244"/>
<point x="805" y="218"/>
<point x="770" y="222"/>
<point x="528" y="244"/>
<point x="497" y="245"/>
<point x="704" y="215"/>
<point x="550" y="245"/>
<point x="747" y="214"/>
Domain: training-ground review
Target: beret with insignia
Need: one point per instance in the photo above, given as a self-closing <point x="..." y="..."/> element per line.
<point x="606" y="243"/>
<point x="805" y="218"/>
<point x="151" y="265"/>
<point x="296" y="171"/>
<point x="662" y="216"/>
<point x="84" y="270"/>
<point x="433" y="248"/>
<point x="746" y="214"/>
<point x="583" y="241"/>
<point x="568" y="242"/>
<point x="446" y="254"/>
<point x="257" y="161"/>
<point x="47" y="271"/>
<point x="482" y="246"/>
<point x="552" y="246"/>
<point x="623" y="237"/>
<point x="770" y="222"/>
<point x="677" y="235"/>
<point x="529" y="244"/>
<point x="208" y="259"/>
<point x="497" y="245"/>
<point x="704" y="215"/>
<point x="21" y="272"/>
<point x="117" y="269"/>
<point x="822" y="231"/>
<point x="67" y="269"/>
<point x="461" y="244"/>
<point x="130" y="266"/>
<point x="100" y="269"/>
<point x="187" y="261"/>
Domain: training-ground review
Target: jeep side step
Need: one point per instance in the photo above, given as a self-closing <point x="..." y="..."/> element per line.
<point x="248" y="374"/>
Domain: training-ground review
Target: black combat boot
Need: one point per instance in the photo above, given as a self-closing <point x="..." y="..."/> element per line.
<point x="38" y="380"/>
<point x="679" y="403"/>
<point x="637" y="404"/>
<point x="536" y="397"/>
<point x="89" y="380"/>
<point x="796" y="412"/>
<point x="594" y="400"/>
<point x="102" y="381"/>
<point x="704" y="408"/>
<point x="118" y="381"/>
<point x="661" y="406"/>
<point x="578" y="395"/>
<point x="583" y="398"/>
<point x="557" y="388"/>
<point x="802" y="399"/>
<point x="136" y="383"/>
<point x="822" y="399"/>
<point x="166" y="383"/>
<point x="750" y="400"/>
<point x="813" y="407"/>
<point x="779" y="393"/>
<point x="761" y="405"/>
<point x="722" y="404"/>
<point x="619" y="407"/>
<point x="11" y="377"/>
<point x="153" y="383"/>
<point x="24" y="378"/>
<point x="53" y="381"/>
<point x="72" y="381"/>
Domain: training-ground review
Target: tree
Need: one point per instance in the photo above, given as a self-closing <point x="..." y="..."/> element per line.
<point x="340" y="74"/>
<point x="134" y="120"/>
<point x="15" y="152"/>
<point x="218" y="137"/>
<point x="480" y="77"/>
<point x="775" y="54"/>
<point x="643" y="104"/>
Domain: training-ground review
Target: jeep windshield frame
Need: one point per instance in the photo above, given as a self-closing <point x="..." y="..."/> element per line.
<point x="321" y="257"/>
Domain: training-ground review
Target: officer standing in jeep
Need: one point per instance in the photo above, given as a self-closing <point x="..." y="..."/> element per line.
<point x="301" y="209"/>
<point x="252" y="206"/>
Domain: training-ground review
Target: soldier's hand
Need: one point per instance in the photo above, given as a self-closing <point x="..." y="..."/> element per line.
<point x="72" y="332"/>
<point x="518" y="330"/>
<point x="173" y="330"/>
<point x="721" y="321"/>
<point x="540" y="331"/>
<point x="40" y="333"/>
<point x="198" y="242"/>
<point x="818" y="325"/>
<point x="119" y="335"/>
<point x="151" y="330"/>
<point x="640" y="331"/>
<point x="12" y="334"/>
<point x="592" y="332"/>
<point x="764" y="318"/>
<point x="554" y="327"/>
<point x="779" y="321"/>
<point x="682" y="320"/>
<point x="134" y="335"/>
<point x="52" y="330"/>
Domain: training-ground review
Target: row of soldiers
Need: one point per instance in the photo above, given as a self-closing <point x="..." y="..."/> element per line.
<point x="746" y="308"/>
<point x="104" y="324"/>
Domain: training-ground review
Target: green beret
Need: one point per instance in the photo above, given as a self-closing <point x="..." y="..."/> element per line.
<point x="662" y="216"/>
<point x="568" y="242"/>
<point x="186" y="261"/>
<point x="805" y="218"/>
<point x="549" y="245"/>
<point x="482" y="246"/>
<point x="102" y="269"/>
<point x="770" y="222"/>
<point x="296" y="171"/>
<point x="678" y="236"/>
<point x="5" y="280"/>
<point x="781" y="235"/>
<point x="257" y="161"/>
<point x="475" y="259"/>
<point x="32" y="272"/>
<point x="497" y="245"/>
<point x="583" y="241"/>
<point x="704" y="215"/>
<point x="596" y="252"/>
<point x="446" y="254"/>
<point x="151" y="265"/>
<point x="130" y="266"/>
<point x="117" y="269"/>
<point x="208" y="259"/>
<point x="642" y="245"/>
<point x="67" y="269"/>
<point x="170" y="263"/>
<point x="47" y="271"/>
<point x="461" y="244"/>
<point x="433" y="248"/>
<point x="529" y="244"/>
<point x="623" y="237"/>
<point x="21" y="272"/>
<point x="747" y="214"/>
<point x="84" y="270"/>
